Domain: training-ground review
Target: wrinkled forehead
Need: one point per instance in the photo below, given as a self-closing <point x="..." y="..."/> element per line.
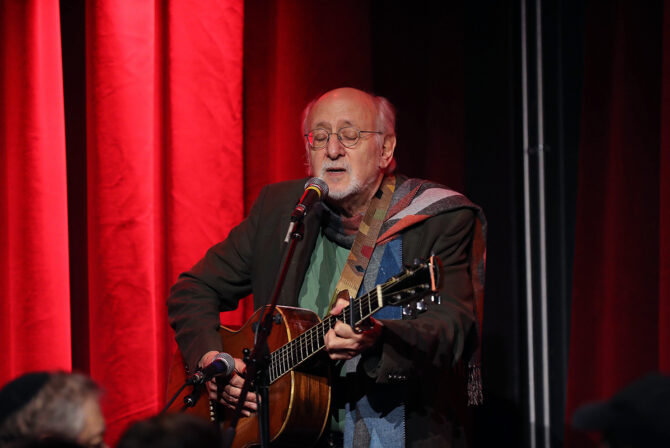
<point x="343" y="108"/>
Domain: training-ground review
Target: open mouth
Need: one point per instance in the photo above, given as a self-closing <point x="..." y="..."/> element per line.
<point x="335" y="170"/>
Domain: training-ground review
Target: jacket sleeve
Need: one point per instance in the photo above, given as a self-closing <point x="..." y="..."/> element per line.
<point x="437" y="338"/>
<point x="216" y="283"/>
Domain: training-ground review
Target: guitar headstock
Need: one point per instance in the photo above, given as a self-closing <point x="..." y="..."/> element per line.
<point x="414" y="282"/>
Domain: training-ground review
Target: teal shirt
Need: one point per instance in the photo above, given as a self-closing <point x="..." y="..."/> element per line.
<point x="325" y="268"/>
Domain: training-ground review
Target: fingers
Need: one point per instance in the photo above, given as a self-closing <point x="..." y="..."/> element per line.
<point x="230" y="395"/>
<point x="207" y="358"/>
<point x="339" y="306"/>
<point x="228" y="390"/>
<point x="342" y="342"/>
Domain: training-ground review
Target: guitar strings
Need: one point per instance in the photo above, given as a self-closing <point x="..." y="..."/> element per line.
<point x="302" y="347"/>
<point x="291" y="354"/>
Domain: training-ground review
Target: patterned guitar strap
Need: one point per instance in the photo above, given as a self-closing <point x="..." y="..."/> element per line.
<point x="364" y="243"/>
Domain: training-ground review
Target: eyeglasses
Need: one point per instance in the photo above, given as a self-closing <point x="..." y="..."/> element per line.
<point x="348" y="136"/>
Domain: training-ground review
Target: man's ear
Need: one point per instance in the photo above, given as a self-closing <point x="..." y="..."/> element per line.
<point x="388" y="147"/>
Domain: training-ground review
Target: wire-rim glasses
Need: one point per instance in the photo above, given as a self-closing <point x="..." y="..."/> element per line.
<point x="318" y="138"/>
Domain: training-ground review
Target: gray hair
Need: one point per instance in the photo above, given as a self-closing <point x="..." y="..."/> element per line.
<point x="57" y="410"/>
<point x="385" y="123"/>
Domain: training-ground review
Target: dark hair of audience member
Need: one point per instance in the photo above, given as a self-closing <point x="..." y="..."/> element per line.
<point x="171" y="431"/>
<point x="48" y="442"/>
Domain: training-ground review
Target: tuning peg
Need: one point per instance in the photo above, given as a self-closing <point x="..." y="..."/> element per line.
<point x="408" y="311"/>
<point x="421" y="306"/>
<point x="436" y="299"/>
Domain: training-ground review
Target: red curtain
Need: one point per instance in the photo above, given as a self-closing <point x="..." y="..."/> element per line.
<point x="164" y="183"/>
<point x="295" y="51"/>
<point x="34" y="268"/>
<point x="164" y="109"/>
<point x="621" y="300"/>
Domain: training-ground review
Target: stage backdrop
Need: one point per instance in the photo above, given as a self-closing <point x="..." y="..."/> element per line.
<point x="163" y="177"/>
<point x="162" y="159"/>
<point x="621" y="291"/>
<point x="34" y="266"/>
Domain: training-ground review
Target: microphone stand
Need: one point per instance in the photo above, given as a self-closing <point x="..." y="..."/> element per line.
<point x="190" y="400"/>
<point x="258" y="359"/>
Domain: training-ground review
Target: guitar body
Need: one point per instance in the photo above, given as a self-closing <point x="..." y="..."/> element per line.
<point x="299" y="400"/>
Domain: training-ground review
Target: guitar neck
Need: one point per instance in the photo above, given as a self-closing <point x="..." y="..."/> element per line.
<point x="298" y="350"/>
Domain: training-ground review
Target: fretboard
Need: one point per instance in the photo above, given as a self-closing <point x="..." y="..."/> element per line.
<point x="297" y="351"/>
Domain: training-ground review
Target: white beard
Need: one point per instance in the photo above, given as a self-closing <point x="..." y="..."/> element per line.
<point x="355" y="185"/>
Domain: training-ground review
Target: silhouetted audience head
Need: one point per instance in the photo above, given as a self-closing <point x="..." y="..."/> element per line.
<point x="51" y="408"/>
<point x="637" y="416"/>
<point x="171" y="431"/>
<point x="49" y="442"/>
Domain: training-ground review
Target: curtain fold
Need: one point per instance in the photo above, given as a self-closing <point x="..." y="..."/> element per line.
<point x="125" y="243"/>
<point x="203" y="136"/>
<point x="34" y="282"/>
<point x="164" y="109"/>
<point x="620" y="298"/>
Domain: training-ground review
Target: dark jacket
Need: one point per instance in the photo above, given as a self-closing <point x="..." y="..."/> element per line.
<point x="424" y="352"/>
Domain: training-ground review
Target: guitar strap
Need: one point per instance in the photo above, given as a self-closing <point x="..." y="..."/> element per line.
<point x="364" y="243"/>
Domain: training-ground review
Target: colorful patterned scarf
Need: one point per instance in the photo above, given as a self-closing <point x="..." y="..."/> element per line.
<point x="413" y="201"/>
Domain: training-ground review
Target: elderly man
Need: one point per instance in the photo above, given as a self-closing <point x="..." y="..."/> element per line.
<point x="401" y="380"/>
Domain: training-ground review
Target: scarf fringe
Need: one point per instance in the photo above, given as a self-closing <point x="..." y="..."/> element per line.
<point x="475" y="393"/>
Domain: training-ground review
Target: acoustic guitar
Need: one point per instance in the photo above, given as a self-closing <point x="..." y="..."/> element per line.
<point x="299" y="383"/>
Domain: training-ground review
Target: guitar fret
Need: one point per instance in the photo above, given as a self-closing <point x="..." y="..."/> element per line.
<point x="291" y="356"/>
<point x="287" y="357"/>
<point x="278" y="361"/>
<point x="370" y="309"/>
<point x="319" y="334"/>
<point x="309" y="342"/>
<point x="284" y="365"/>
<point x="298" y="351"/>
<point x="305" y="347"/>
<point x="275" y="368"/>
<point x="300" y="347"/>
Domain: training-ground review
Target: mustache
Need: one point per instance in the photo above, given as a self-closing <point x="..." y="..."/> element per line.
<point x="328" y="165"/>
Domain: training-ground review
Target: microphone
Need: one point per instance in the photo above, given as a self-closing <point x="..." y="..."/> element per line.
<point x="222" y="364"/>
<point x="316" y="190"/>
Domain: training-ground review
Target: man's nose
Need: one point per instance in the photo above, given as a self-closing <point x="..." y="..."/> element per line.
<point x="334" y="148"/>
